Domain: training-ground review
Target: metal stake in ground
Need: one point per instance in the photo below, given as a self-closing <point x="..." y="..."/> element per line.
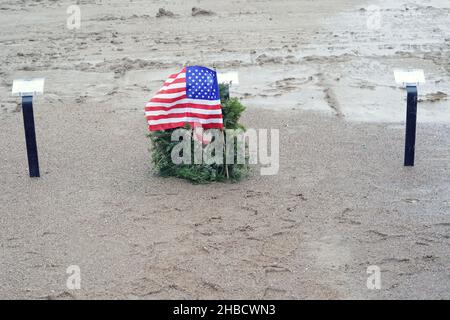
<point x="27" y="89"/>
<point x="30" y="136"/>
<point x="410" y="79"/>
<point x="411" y="120"/>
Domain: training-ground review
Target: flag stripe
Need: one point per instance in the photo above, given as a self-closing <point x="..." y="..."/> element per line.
<point x="185" y="119"/>
<point x="174" y="82"/>
<point x="185" y="105"/>
<point x="186" y="115"/>
<point x="181" y="85"/>
<point x="170" y="95"/>
<point x="182" y="110"/>
<point x="167" y="100"/>
<point x="178" y="79"/>
<point x="175" y="75"/>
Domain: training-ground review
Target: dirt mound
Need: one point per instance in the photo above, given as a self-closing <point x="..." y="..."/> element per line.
<point x="164" y="13"/>
<point x="201" y="12"/>
<point x="434" y="97"/>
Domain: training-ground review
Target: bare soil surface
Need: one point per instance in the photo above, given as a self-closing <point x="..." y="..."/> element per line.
<point x="342" y="200"/>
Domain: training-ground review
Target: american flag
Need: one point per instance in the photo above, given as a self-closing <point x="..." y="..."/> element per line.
<point x="188" y="97"/>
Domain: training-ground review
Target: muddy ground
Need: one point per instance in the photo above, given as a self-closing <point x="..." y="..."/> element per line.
<point x="315" y="70"/>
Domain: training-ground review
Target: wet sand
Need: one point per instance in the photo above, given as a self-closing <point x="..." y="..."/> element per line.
<point x="341" y="202"/>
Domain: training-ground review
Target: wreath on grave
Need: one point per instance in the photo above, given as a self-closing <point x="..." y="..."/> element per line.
<point x="162" y="147"/>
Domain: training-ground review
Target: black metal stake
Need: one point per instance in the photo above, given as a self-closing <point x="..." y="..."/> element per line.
<point x="411" y="119"/>
<point x="30" y="136"/>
